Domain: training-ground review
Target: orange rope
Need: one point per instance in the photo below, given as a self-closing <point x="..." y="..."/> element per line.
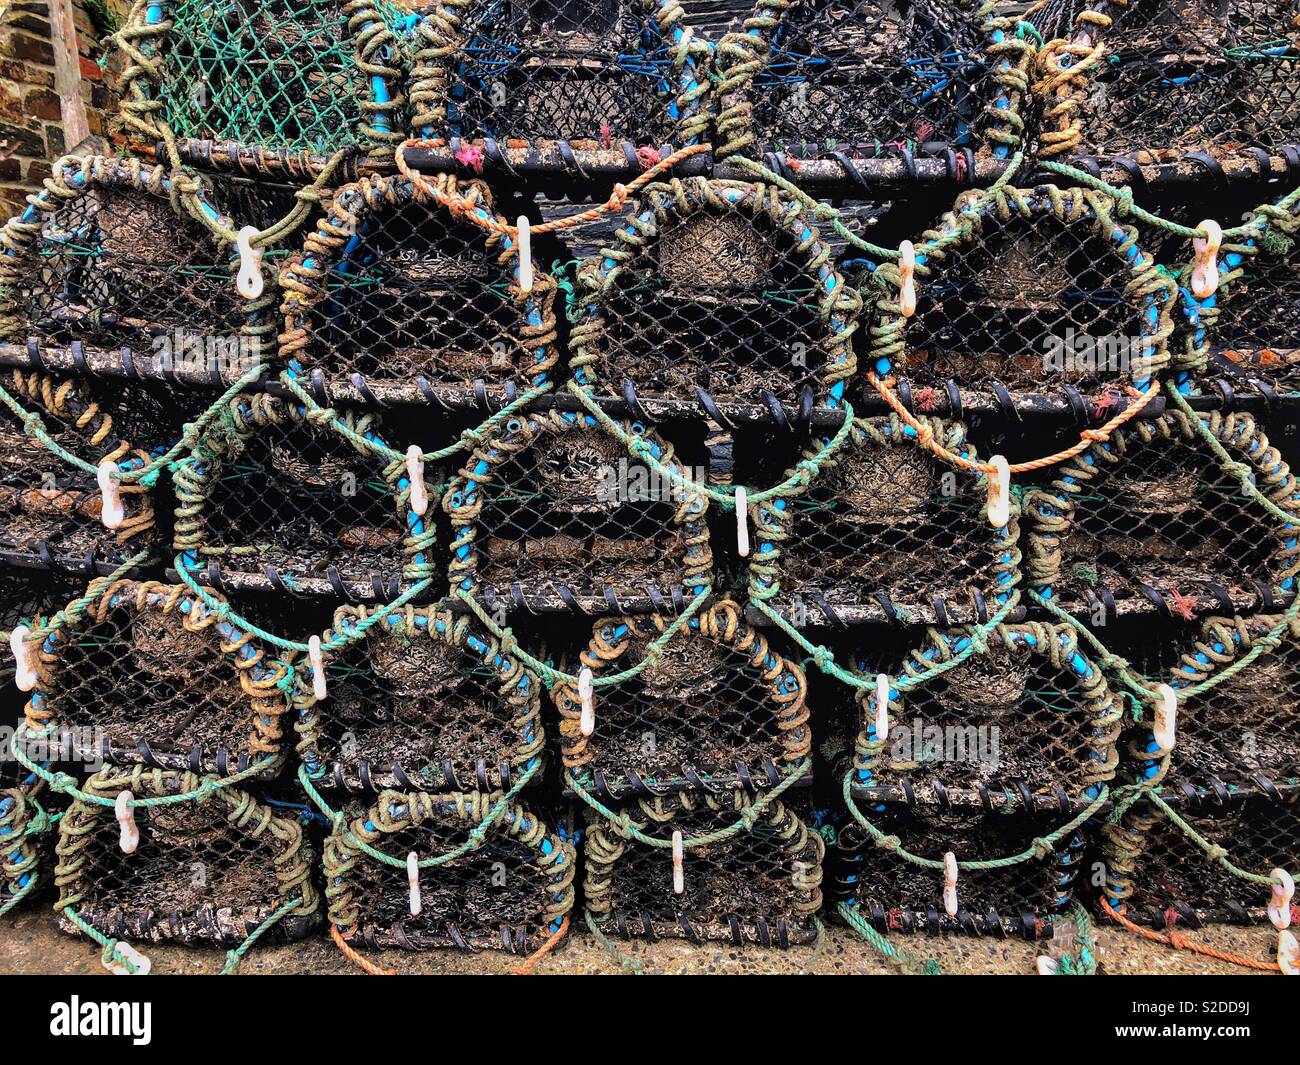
<point x="1177" y="940"/>
<point x="353" y="956"/>
<point x="1086" y="439"/>
<point x="525" y="968"/>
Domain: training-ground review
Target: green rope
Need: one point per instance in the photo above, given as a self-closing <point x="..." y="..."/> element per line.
<point x="900" y="957"/>
<point x="110" y="945"/>
<point x="236" y="957"/>
<point x="1211" y="850"/>
<point x="1083" y="961"/>
<point x="70" y="613"/>
<point x="625" y="961"/>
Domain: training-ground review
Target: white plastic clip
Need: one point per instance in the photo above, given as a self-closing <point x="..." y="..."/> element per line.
<point x="907" y="279"/>
<point x="140" y="965"/>
<point x="587" y="696"/>
<point x="1288" y="954"/>
<point x="950" y="884"/>
<point x="1205" y="274"/>
<point x="126" y="821"/>
<point x="316" y="656"/>
<point x="882" y="707"/>
<point x="1279" y="906"/>
<point x="24" y="658"/>
<point x="1165" y="730"/>
<point x="1047" y="966"/>
<point x="250" y="283"/>
<point x="999" y="491"/>
<point x="742" y="522"/>
<point x="679" y="873"/>
<point x="415" y="474"/>
<point x="112" y="513"/>
<point x="413" y="878"/>
<point x="525" y="255"/>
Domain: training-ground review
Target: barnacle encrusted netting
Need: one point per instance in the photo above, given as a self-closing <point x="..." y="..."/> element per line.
<point x="699" y="260"/>
<point x="547" y="508"/>
<point x="507" y="888"/>
<point x="759" y="883"/>
<point x="885" y="522"/>
<point x="394" y="296"/>
<point x="307" y="75"/>
<point x="591" y="72"/>
<point x="211" y="867"/>
<point x="425" y="700"/>
<point x="289" y="499"/>
<point x="716" y="706"/>
<point x="1153" y="516"/>
<point x="148" y="673"/>
<point x="805" y="76"/>
<point x="1167" y="76"/>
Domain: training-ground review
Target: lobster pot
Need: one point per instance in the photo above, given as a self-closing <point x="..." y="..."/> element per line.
<point x="1030" y="714"/>
<point x="596" y="73"/>
<point x="274" y="498"/>
<point x="209" y="869"/>
<point x="300" y="75"/>
<point x="1023" y="899"/>
<point x="885" y="523"/>
<point x="1155" y="866"/>
<point x="1180" y="76"/>
<point x="718" y="707"/>
<point x="392" y="297"/>
<point x="1150" y="518"/>
<point x="760" y="886"/>
<point x="148" y="673"/>
<point x="856" y="74"/>
<point x="552" y="507"/>
<point x="717" y="285"/>
<point x="1039" y="291"/>
<point x="424" y="700"/>
<point x="510" y="892"/>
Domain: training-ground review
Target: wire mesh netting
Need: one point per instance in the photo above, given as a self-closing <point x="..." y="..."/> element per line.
<point x="716" y="707"/>
<point x="207" y="869"/>
<point x="508" y="891"/>
<point x="396" y="296"/>
<point x="1152" y="517"/>
<point x="426" y="700"/>
<point x="761" y="885"/>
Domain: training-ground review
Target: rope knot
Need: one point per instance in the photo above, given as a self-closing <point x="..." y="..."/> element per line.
<point x="1041" y="847"/>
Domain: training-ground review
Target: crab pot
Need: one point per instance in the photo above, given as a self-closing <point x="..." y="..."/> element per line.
<point x="717" y="285"/>
<point x="206" y="870"/>
<point x="1038" y="290"/>
<point x="886" y="522"/>
<point x="273" y="498"/>
<point x="554" y="506"/>
<point x="1150" y="517"/>
<point x="110" y="273"/>
<point x="1155" y="868"/>
<point x="394" y="297"/>
<point x="425" y="700"/>
<point x="1030" y="715"/>
<point x="300" y="75"/>
<point x="760" y="886"/>
<point x="719" y="707"/>
<point x="149" y="674"/>
<point x="510" y="892"/>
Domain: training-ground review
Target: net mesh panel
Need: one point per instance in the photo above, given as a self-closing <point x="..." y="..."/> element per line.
<point x="1149" y="516"/>
<point x="1023" y="899"/>
<point x="886" y="522"/>
<point x="719" y="707"/>
<point x="1047" y="290"/>
<point x="425" y="700"/>
<point x="148" y="675"/>
<point x="1031" y="717"/>
<point x="1154" y="867"/>
<point x="395" y="290"/>
<point x="1182" y="75"/>
<point x="554" y="501"/>
<point x="700" y="259"/>
<point x="207" y="870"/>
<point x="762" y="885"/>
<point x="509" y="893"/>
<point x="274" y="495"/>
